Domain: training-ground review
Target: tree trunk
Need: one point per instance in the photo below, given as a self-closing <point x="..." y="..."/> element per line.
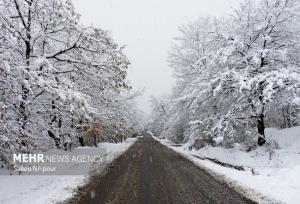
<point x="25" y="91"/>
<point x="23" y="111"/>
<point x="261" y="130"/>
<point x="95" y="141"/>
<point x="81" y="141"/>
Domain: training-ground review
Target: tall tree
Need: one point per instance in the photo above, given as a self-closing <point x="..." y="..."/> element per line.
<point x="55" y="74"/>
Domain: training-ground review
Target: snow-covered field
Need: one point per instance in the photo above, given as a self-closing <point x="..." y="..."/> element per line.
<point x="49" y="189"/>
<point x="276" y="171"/>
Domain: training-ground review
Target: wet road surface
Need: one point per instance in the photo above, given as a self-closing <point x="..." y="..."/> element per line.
<point x="150" y="173"/>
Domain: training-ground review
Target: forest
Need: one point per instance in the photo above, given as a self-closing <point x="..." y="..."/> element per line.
<point x="84" y="118"/>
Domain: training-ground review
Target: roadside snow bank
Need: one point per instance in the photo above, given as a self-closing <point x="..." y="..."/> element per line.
<point x="50" y="189"/>
<point x="271" y="172"/>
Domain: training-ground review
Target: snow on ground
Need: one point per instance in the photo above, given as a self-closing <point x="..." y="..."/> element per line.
<point x="276" y="171"/>
<point x="47" y="189"/>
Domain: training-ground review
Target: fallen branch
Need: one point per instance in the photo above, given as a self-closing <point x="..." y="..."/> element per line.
<point x="239" y="168"/>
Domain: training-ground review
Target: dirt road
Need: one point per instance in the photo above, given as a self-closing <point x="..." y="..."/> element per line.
<point x="150" y="173"/>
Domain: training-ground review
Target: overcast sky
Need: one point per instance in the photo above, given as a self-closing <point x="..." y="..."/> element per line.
<point x="147" y="28"/>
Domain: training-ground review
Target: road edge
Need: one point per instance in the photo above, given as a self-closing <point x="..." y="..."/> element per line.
<point x="235" y="185"/>
<point x="84" y="190"/>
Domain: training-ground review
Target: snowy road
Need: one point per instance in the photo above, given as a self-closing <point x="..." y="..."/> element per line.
<point x="151" y="173"/>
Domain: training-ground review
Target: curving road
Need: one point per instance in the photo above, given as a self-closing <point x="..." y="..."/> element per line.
<point x="150" y="173"/>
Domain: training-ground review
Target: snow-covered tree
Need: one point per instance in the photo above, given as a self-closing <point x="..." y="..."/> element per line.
<point x="233" y="73"/>
<point x="56" y="75"/>
<point x="261" y="57"/>
<point x="159" y="116"/>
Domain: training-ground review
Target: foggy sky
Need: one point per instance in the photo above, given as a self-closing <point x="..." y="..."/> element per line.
<point x="147" y="28"/>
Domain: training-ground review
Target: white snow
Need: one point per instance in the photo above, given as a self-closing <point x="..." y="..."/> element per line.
<point x="26" y="189"/>
<point x="276" y="168"/>
<point x="37" y="189"/>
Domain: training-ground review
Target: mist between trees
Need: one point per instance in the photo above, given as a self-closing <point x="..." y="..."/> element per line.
<point x="236" y="76"/>
<point x="62" y="84"/>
